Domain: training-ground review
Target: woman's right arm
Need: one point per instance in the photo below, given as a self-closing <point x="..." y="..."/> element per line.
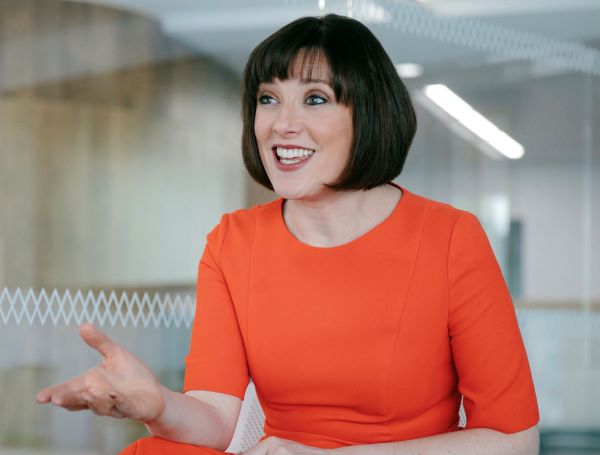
<point x="122" y="386"/>
<point x="197" y="417"/>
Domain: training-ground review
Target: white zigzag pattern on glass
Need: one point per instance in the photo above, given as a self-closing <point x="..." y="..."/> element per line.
<point x="28" y="306"/>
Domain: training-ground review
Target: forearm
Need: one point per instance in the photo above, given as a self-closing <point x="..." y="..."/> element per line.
<point x="477" y="441"/>
<point x="191" y="421"/>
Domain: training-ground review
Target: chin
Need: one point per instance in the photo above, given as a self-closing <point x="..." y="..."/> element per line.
<point x="291" y="191"/>
<point x="288" y="194"/>
<point x="300" y="195"/>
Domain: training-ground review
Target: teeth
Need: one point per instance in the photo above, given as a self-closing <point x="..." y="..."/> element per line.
<point x="293" y="153"/>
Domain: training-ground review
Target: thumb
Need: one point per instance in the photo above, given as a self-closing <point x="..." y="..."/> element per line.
<point x="97" y="340"/>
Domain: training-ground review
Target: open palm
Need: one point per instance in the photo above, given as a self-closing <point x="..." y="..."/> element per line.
<point x="121" y="386"/>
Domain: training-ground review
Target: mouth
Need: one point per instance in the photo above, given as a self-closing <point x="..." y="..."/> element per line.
<point x="291" y="156"/>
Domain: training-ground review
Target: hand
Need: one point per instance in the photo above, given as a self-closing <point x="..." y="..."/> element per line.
<point x="121" y="386"/>
<point x="278" y="446"/>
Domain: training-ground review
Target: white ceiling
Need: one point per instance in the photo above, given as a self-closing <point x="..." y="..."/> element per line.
<point x="229" y="29"/>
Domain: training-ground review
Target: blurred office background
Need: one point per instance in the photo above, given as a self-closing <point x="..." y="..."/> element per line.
<point x="119" y="151"/>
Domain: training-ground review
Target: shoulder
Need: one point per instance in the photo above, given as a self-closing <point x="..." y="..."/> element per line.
<point x="242" y="220"/>
<point x="458" y="232"/>
<point x="238" y="227"/>
<point x="439" y="215"/>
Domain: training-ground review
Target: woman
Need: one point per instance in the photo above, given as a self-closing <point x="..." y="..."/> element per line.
<point x="362" y="312"/>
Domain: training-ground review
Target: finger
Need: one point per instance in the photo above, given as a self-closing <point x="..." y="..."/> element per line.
<point x="99" y="403"/>
<point x="75" y="408"/>
<point x="43" y="396"/>
<point x="72" y="386"/>
<point x="100" y="409"/>
<point x="97" y="340"/>
<point x="258" y="449"/>
<point x="116" y="414"/>
<point x="68" y="400"/>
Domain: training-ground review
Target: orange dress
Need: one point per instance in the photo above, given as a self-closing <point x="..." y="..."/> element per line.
<point x="372" y="341"/>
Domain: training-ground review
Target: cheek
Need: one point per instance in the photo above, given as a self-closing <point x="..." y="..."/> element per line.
<point x="338" y="134"/>
<point x="261" y="127"/>
<point x="262" y="135"/>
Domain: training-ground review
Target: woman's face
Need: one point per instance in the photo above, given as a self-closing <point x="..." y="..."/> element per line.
<point x="304" y="136"/>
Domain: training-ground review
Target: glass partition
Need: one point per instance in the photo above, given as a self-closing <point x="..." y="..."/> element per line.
<point x="119" y="151"/>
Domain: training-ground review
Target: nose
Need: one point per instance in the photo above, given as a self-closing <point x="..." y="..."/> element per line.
<point x="288" y="121"/>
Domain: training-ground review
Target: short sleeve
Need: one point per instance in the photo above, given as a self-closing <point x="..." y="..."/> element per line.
<point x="217" y="358"/>
<point x="493" y="370"/>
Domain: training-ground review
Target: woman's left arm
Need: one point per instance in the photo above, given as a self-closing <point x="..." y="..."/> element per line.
<point x="477" y="441"/>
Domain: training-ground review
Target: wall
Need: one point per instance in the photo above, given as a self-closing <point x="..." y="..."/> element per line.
<point x="554" y="190"/>
<point x="111" y="171"/>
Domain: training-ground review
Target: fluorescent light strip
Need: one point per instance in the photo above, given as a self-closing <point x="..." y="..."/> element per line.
<point x="464" y="113"/>
<point x="409" y="70"/>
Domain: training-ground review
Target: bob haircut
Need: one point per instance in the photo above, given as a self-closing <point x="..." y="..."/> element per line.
<point x="362" y="77"/>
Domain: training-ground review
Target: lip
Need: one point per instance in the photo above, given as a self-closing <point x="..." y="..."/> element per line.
<point x="289" y="167"/>
<point x="290" y="146"/>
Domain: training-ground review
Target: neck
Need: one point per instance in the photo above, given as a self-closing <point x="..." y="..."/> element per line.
<point x="339" y="217"/>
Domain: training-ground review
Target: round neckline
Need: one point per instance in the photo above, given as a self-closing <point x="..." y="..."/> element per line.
<point x="369" y="233"/>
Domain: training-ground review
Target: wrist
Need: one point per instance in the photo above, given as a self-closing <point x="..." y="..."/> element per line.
<point x="161" y="416"/>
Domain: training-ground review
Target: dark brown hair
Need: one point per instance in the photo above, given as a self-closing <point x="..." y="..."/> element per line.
<point x="362" y="77"/>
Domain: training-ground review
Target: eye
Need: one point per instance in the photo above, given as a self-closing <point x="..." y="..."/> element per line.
<point x="314" y="100"/>
<point x="266" y="99"/>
